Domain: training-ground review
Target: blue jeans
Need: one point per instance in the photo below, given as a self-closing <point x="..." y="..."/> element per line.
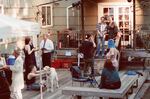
<point x="100" y="40"/>
<point x="34" y="86"/>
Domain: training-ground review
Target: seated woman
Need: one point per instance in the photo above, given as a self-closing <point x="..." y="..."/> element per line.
<point x="32" y="85"/>
<point x="4" y="85"/>
<point x="113" y="54"/>
<point x="8" y="73"/>
<point x="110" y="78"/>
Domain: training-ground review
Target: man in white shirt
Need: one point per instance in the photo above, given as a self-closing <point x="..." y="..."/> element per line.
<point x="47" y="47"/>
<point x="101" y="30"/>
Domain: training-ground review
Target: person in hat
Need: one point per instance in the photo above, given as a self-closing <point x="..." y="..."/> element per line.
<point x="113" y="53"/>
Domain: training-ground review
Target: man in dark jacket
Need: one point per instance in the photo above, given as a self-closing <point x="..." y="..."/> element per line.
<point x="87" y="48"/>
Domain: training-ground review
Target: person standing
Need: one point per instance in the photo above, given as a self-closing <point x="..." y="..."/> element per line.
<point x="101" y="30"/>
<point x="29" y="52"/>
<point x="47" y="47"/>
<point x="17" y="75"/>
<point x="112" y="28"/>
<point x="87" y="49"/>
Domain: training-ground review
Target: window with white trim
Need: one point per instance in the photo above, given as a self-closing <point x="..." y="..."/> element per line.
<point x="47" y="14"/>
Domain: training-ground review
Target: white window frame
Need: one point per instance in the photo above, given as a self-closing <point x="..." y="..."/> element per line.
<point x="116" y="5"/>
<point x="69" y="7"/>
<point x="51" y="9"/>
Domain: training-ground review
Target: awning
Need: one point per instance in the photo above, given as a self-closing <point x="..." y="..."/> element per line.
<point x="18" y="28"/>
<point x="4" y="28"/>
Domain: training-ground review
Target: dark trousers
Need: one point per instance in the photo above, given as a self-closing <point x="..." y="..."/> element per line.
<point x="46" y="59"/>
<point x="115" y="85"/>
<point x="89" y="63"/>
<point x="4" y="87"/>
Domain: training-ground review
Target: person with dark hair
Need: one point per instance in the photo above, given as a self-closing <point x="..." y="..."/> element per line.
<point x="112" y="28"/>
<point x="29" y="51"/>
<point x="87" y="49"/>
<point x="32" y="85"/>
<point x="110" y="78"/>
<point x="4" y="86"/>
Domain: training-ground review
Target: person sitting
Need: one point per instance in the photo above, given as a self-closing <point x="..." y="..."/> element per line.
<point x="110" y="78"/>
<point x="4" y="86"/>
<point x="113" y="54"/>
<point x="32" y="85"/>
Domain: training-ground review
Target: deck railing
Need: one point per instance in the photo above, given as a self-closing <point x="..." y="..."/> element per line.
<point x="143" y="39"/>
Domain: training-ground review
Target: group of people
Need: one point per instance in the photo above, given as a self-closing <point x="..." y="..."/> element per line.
<point x="106" y="27"/>
<point x="25" y="70"/>
<point x="112" y="55"/>
<point x="46" y="47"/>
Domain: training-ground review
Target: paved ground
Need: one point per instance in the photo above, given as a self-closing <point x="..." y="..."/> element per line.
<point x="147" y="94"/>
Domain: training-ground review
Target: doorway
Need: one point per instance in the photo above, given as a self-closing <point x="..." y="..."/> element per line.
<point x="122" y="15"/>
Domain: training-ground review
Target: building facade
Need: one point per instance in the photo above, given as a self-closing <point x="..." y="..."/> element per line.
<point x="58" y="15"/>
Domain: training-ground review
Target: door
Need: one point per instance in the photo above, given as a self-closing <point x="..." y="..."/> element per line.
<point x="122" y="15"/>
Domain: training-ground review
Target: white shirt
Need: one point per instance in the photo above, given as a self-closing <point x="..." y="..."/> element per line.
<point x="49" y="46"/>
<point x="101" y="28"/>
<point x="17" y="74"/>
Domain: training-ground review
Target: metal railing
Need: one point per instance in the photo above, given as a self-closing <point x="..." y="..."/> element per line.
<point x="143" y="39"/>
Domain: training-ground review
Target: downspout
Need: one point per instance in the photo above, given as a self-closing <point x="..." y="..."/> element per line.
<point x="82" y="19"/>
<point x="134" y="23"/>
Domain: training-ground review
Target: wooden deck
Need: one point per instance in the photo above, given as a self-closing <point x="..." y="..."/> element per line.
<point x="65" y="80"/>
